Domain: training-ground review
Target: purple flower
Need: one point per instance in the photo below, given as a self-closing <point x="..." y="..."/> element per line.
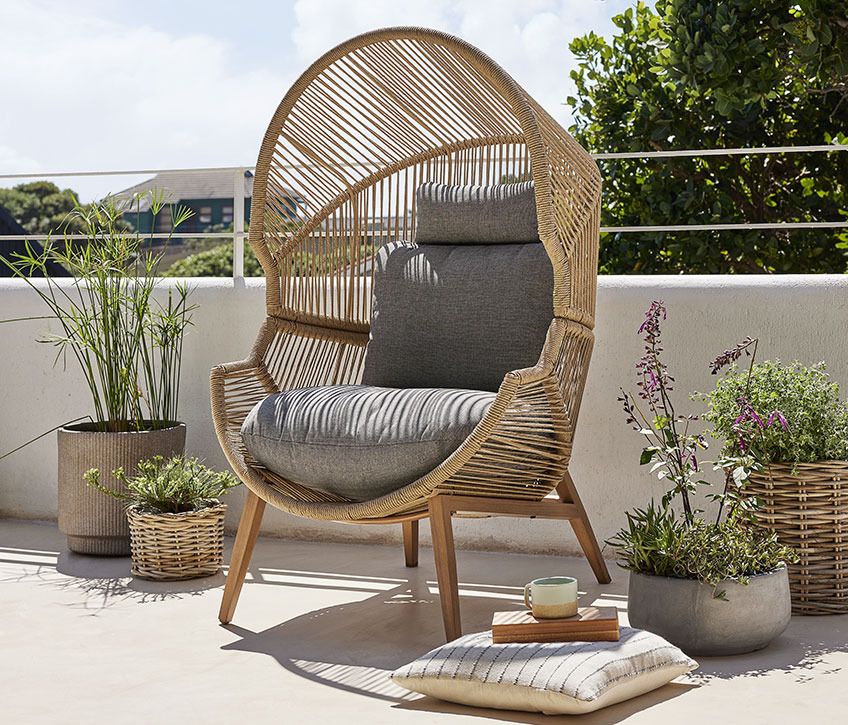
<point x="729" y="356"/>
<point x="777" y="414"/>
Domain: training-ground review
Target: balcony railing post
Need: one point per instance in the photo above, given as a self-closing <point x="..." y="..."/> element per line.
<point x="238" y="224"/>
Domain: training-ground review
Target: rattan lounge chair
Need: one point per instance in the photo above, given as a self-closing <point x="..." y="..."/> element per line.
<point x="359" y="135"/>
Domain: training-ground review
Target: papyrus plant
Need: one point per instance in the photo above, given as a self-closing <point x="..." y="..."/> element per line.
<point x="127" y="344"/>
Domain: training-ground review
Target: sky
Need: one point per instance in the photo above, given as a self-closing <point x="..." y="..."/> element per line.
<point x="102" y="85"/>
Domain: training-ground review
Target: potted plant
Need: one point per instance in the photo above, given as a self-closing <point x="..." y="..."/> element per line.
<point x="129" y="349"/>
<point x="712" y="587"/>
<point x="175" y="518"/>
<point x="802" y="477"/>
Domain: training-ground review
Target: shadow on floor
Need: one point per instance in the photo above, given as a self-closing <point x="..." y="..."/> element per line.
<point x="104" y="580"/>
<point x="391" y="615"/>
<point x="355" y="646"/>
<point x="107" y="581"/>
<point x="800" y="650"/>
<point x="607" y="716"/>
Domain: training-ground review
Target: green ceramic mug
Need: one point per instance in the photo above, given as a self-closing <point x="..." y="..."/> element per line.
<point x="552" y="597"/>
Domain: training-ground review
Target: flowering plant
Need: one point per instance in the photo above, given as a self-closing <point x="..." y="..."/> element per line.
<point x="673" y="448"/>
<point x="789" y="413"/>
<point x="655" y="541"/>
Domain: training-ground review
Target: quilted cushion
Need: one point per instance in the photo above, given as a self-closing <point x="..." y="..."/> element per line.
<point x="358" y="441"/>
<point x="457" y="316"/>
<point x="497" y="214"/>
<point x="554" y="677"/>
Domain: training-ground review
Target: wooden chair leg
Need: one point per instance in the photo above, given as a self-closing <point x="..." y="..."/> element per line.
<point x="583" y="530"/>
<point x="410" y="542"/>
<point x="445" y="557"/>
<point x="248" y="530"/>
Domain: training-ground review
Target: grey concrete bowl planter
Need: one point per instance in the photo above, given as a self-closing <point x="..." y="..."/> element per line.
<point x="684" y="612"/>
<point x="93" y="522"/>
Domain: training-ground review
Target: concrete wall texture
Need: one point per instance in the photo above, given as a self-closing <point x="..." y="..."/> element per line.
<point x="799" y="317"/>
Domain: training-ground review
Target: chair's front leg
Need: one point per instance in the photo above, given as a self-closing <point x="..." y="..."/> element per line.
<point x="248" y="530"/>
<point x="445" y="557"/>
<point x="567" y="492"/>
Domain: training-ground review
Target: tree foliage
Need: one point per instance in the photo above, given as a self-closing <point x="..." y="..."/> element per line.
<point x="215" y="262"/>
<point x="41" y="207"/>
<point x="694" y="74"/>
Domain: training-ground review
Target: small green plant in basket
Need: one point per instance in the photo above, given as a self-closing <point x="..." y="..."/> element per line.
<point x="175" y="518"/>
<point x="172" y="486"/>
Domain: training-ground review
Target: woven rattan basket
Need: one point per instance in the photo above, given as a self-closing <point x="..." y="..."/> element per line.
<point x="177" y="546"/>
<point x="809" y="512"/>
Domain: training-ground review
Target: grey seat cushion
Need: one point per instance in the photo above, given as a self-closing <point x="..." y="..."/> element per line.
<point x="457" y="316"/>
<point x="497" y="214"/>
<point x="358" y="441"/>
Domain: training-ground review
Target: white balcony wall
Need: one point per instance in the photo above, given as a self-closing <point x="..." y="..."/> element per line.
<point x="796" y="317"/>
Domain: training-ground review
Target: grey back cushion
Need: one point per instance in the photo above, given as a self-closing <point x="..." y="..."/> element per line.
<point x="457" y="316"/>
<point x="497" y="214"/>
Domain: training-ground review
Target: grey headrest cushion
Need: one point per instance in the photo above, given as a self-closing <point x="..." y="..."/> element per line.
<point x="497" y="214"/>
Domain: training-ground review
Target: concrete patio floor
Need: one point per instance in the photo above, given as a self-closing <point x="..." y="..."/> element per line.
<point x="318" y="628"/>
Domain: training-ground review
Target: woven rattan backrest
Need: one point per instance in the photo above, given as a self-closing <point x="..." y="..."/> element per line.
<point x="363" y="127"/>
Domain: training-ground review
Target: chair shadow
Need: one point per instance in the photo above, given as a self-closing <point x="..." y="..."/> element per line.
<point x="354" y="646"/>
<point x="346" y="647"/>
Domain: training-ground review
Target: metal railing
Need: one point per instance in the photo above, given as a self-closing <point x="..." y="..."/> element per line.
<point x="238" y="234"/>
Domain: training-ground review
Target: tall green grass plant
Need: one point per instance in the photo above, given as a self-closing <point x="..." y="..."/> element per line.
<point x="128" y="345"/>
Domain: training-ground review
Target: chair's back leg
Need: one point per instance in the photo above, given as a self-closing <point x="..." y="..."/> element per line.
<point x="567" y="492"/>
<point x="444" y="554"/>
<point x="248" y="530"/>
<point x="410" y="542"/>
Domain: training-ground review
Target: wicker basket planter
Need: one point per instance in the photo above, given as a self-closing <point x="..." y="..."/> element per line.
<point x="809" y="512"/>
<point x="177" y="546"/>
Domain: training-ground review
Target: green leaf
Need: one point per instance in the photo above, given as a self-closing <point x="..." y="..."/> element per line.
<point x="646" y="457"/>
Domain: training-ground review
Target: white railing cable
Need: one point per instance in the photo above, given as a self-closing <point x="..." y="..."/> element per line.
<point x="601" y="156"/>
<point x="238" y="172"/>
<point x="157" y="235"/>
<point x="719" y="152"/>
<point x="727" y="227"/>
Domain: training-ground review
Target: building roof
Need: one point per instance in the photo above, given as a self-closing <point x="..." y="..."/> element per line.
<point x="185" y="185"/>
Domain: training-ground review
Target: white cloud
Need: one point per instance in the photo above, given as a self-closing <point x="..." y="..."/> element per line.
<point x="82" y="93"/>
<point x="85" y="90"/>
<point x="529" y="39"/>
<point x="13" y="162"/>
<point x="323" y="24"/>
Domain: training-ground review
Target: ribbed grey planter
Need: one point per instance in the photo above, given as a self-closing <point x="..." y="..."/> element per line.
<point x="94" y="522"/>
<point x="684" y="612"/>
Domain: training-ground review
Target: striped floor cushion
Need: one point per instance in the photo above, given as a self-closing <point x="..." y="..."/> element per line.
<point x="553" y="678"/>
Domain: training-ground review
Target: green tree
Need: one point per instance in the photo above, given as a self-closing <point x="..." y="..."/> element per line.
<point x="41" y="207"/>
<point x="215" y="262"/>
<point x="695" y="74"/>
